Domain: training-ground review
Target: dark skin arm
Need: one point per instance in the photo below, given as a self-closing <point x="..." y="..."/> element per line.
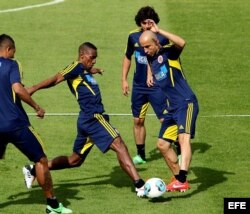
<point x="50" y="82"/>
<point x="24" y="96"/>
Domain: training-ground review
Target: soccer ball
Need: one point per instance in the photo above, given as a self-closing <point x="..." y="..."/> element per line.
<point x="154" y="187"/>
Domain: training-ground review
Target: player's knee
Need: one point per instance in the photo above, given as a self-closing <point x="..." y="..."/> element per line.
<point x="75" y="161"/>
<point x="43" y="160"/>
<point x="139" y="122"/>
<point x="163" y="145"/>
<point x="118" y="145"/>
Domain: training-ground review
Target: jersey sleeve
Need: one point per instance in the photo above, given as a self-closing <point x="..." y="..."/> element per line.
<point x="130" y="48"/>
<point x="72" y="71"/>
<point x="15" y="74"/>
<point x="174" y="52"/>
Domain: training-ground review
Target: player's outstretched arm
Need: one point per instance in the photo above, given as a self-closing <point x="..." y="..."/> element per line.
<point x="50" y="82"/>
<point x="96" y="71"/>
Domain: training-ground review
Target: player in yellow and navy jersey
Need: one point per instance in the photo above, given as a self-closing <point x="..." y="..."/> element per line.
<point x="92" y="122"/>
<point x="141" y="95"/>
<point x="15" y="127"/>
<point x="164" y="68"/>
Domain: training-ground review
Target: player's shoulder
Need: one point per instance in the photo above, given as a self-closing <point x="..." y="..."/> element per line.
<point x="9" y="61"/>
<point x="135" y="31"/>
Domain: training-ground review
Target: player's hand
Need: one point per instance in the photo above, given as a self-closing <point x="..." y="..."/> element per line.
<point x="40" y="112"/>
<point x="125" y="88"/>
<point x="154" y="28"/>
<point x="96" y="71"/>
<point x="150" y="81"/>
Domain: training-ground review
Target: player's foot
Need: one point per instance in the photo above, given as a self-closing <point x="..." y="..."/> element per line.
<point x="28" y="177"/>
<point x="138" y="160"/>
<point x="140" y="192"/>
<point x="61" y="209"/>
<point x="177" y="186"/>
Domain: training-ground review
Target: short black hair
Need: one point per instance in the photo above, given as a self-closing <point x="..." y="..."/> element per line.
<point x="146" y="13"/>
<point x="6" y="39"/>
<point x="85" y="46"/>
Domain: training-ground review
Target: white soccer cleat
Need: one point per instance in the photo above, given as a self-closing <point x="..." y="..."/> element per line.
<point x="140" y="192"/>
<point x="28" y="177"/>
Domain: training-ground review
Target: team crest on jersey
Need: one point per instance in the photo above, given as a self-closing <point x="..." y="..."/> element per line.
<point x="91" y="79"/>
<point x="160" y="59"/>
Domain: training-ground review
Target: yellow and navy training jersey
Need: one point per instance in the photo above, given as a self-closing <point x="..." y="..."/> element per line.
<point x="133" y="47"/>
<point x="85" y="88"/>
<point x="12" y="114"/>
<point x="168" y="73"/>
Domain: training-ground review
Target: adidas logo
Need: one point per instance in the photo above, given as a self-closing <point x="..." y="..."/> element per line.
<point x="136" y="44"/>
<point x="165" y="111"/>
<point x="181" y="127"/>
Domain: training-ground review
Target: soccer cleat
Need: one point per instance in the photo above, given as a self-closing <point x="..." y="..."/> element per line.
<point x="140" y="192"/>
<point x="28" y="177"/>
<point x="61" y="209"/>
<point x="176" y="185"/>
<point x="138" y="160"/>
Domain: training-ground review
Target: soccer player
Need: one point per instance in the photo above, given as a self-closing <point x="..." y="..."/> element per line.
<point x="164" y="68"/>
<point x="92" y="123"/>
<point x="14" y="123"/>
<point x="142" y="95"/>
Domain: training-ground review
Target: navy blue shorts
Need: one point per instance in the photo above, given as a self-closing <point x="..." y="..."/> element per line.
<point x="94" y="131"/>
<point x="142" y="96"/>
<point x="181" y="120"/>
<point x="26" y="140"/>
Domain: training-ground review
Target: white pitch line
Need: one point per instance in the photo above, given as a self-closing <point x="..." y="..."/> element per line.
<point x="31" y="6"/>
<point x="125" y="114"/>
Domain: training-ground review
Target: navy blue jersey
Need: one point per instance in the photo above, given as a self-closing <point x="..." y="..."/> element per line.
<point x="168" y="73"/>
<point x="85" y="88"/>
<point x="12" y="114"/>
<point x="133" y="47"/>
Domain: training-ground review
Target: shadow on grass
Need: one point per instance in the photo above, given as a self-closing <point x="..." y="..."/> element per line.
<point x="196" y="147"/>
<point x="35" y="196"/>
<point x="68" y="189"/>
<point x="206" y="178"/>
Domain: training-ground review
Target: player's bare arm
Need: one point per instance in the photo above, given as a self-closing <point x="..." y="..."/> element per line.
<point x="150" y="81"/>
<point x="96" y="71"/>
<point x="50" y="82"/>
<point x="177" y="40"/>
<point x="24" y="96"/>
<point x="125" y="70"/>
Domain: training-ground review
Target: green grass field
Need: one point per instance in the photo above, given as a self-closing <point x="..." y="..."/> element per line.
<point x="216" y="60"/>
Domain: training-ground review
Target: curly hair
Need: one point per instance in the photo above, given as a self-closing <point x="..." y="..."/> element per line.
<point x="146" y="13"/>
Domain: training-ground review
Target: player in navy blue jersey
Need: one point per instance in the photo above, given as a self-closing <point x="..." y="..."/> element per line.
<point x="164" y="69"/>
<point x="15" y="127"/>
<point x="142" y="95"/>
<point x="92" y="122"/>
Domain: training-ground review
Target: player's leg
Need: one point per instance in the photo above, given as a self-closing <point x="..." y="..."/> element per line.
<point x="82" y="147"/>
<point x="169" y="155"/>
<point x="186" y="119"/>
<point x="139" y="131"/>
<point x="139" y="107"/>
<point x="30" y="144"/>
<point x="127" y="165"/>
<point x="158" y="101"/>
<point x="168" y="135"/>
<point x="106" y="137"/>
